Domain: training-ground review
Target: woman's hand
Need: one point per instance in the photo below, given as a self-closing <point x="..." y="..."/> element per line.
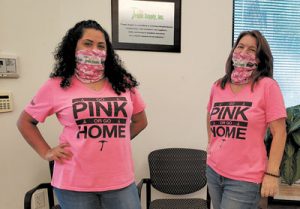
<point x="59" y="153"/>
<point x="270" y="186"/>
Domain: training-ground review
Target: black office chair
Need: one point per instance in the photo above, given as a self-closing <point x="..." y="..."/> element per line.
<point x="47" y="186"/>
<point x="176" y="171"/>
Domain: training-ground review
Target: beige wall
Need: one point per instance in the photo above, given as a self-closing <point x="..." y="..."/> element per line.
<point x="175" y="86"/>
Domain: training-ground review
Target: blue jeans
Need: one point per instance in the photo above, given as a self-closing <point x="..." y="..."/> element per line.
<point x="115" y="199"/>
<point x="231" y="194"/>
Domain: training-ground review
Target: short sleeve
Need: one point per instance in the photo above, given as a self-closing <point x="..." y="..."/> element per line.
<point x="41" y="104"/>
<point x="137" y="101"/>
<point x="275" y="107"/>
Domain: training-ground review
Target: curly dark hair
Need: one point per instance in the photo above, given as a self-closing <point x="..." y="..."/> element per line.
<point x="263" y="53"/>
<point x="65" y="62"/>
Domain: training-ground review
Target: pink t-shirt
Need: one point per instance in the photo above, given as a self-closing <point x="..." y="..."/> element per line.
<point x="238" y="125"/>
<point x="97" y="126"/>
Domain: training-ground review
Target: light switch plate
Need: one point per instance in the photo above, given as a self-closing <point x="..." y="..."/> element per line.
<point x="8" y="66"/>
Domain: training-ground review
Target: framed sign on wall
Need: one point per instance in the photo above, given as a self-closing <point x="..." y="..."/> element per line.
<point x="146" y="25"/>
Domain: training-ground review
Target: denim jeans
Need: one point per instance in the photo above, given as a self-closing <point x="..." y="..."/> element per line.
<point x="231" y="194"/>
<point x="115" y="199"/>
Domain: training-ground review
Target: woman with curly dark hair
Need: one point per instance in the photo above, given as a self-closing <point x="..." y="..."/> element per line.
<point x="96" y="101"/>
<point x="65" y="65"/>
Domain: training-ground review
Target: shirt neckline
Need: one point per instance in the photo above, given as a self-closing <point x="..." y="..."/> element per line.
<point x="241" y="91"/>
<point x="82" y="86"/>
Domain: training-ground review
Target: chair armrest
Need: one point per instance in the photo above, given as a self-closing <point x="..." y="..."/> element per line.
<point x="29" y="194"/>
<point x="146" y="181"/>
<point x="140" y="186"/>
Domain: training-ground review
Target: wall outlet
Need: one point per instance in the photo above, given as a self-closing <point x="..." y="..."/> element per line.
<point x="39" y="199"/>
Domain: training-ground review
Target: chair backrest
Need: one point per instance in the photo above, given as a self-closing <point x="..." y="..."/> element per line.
<point x="177" y="170"/>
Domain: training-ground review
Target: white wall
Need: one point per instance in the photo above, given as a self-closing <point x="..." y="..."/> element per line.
<point x="175" y="86"/>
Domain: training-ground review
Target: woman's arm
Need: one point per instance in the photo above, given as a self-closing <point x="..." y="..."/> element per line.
<point x="270" y="183"/>
<point x="27" y="125"/>
<point x="138" y="123"/>
<point x="208" y="126"/>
